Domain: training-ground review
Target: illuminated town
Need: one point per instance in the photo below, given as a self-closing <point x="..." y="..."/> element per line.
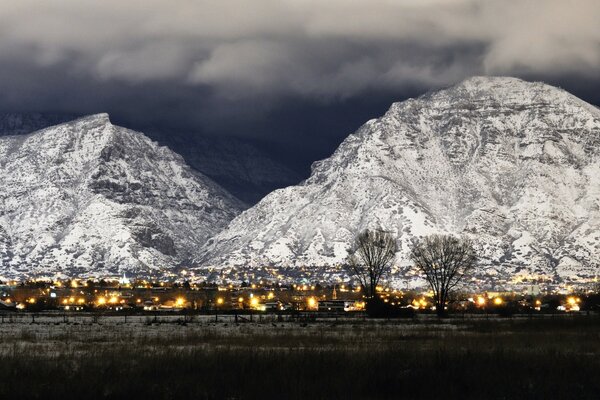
<point x="143" y="296"/>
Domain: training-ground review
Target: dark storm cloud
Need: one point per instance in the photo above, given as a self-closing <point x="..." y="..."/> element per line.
<point x="296" y="72"/>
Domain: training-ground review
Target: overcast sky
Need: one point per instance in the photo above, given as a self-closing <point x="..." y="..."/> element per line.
<point x="297" y="75"/>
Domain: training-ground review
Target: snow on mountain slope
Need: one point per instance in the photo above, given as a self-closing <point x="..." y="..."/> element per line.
<point x="87" y="198"/>
<point x="513" y="164"/>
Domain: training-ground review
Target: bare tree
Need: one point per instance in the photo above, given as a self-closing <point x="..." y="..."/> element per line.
<point x="444" y="260"/>
<point x="370" y="257"/>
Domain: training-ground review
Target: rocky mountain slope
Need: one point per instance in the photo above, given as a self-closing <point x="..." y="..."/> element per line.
<point x="88" y="198"/>
<point x="513" y="164"/>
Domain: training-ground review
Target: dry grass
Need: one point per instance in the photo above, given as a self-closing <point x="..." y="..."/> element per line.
<point x="504" y="359"/>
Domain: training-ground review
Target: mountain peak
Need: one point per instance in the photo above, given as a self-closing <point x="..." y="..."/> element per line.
<point x="95" y="119"/>
<point x="506" y="85"/>
<point x="513" y="164"/>
<point x="479" y="80"/>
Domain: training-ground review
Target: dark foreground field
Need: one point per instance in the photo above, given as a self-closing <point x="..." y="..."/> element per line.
<point x="111" y="358"/>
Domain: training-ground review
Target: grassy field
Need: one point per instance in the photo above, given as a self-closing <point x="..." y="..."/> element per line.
<point x="108" y="358"/>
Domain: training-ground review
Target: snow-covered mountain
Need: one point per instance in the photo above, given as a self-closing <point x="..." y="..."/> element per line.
<point x="90" y="198"/>
<point x="513" y="164"/>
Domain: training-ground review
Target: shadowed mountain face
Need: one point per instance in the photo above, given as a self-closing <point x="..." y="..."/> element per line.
<point x="237" y="165"/>
<point x="88" y="198"/>
<point x="515" y="165"/>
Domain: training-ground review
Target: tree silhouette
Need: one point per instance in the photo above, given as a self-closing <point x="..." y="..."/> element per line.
<point x="444" y="260"/>
<point x="370" y="257"/>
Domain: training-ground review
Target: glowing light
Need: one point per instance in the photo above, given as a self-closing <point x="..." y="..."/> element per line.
<point x="481" y="301"/>
<point x="573" y="300"/>
<point x="240" y="299"/>
<point x="220" y="301"/>
<point x="101" y="300"/>
<point x="81" y="300"/>
<point x="180" y="302"/>
<point x="254" y="302"/>
<point x="113" y="300"/>
<point x="312" y="302"/>
<point x="498" y="301"/>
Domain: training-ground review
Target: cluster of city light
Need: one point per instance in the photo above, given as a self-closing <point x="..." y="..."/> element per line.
<point x="572" y="304"/>
<point x="421" y="303"/>
<point x="304" y="287"/>
<point x="73" y="300"/>
<point x="110" y="299"/>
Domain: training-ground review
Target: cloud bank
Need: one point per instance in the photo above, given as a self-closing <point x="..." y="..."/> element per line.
<point x="302" y="47"/>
